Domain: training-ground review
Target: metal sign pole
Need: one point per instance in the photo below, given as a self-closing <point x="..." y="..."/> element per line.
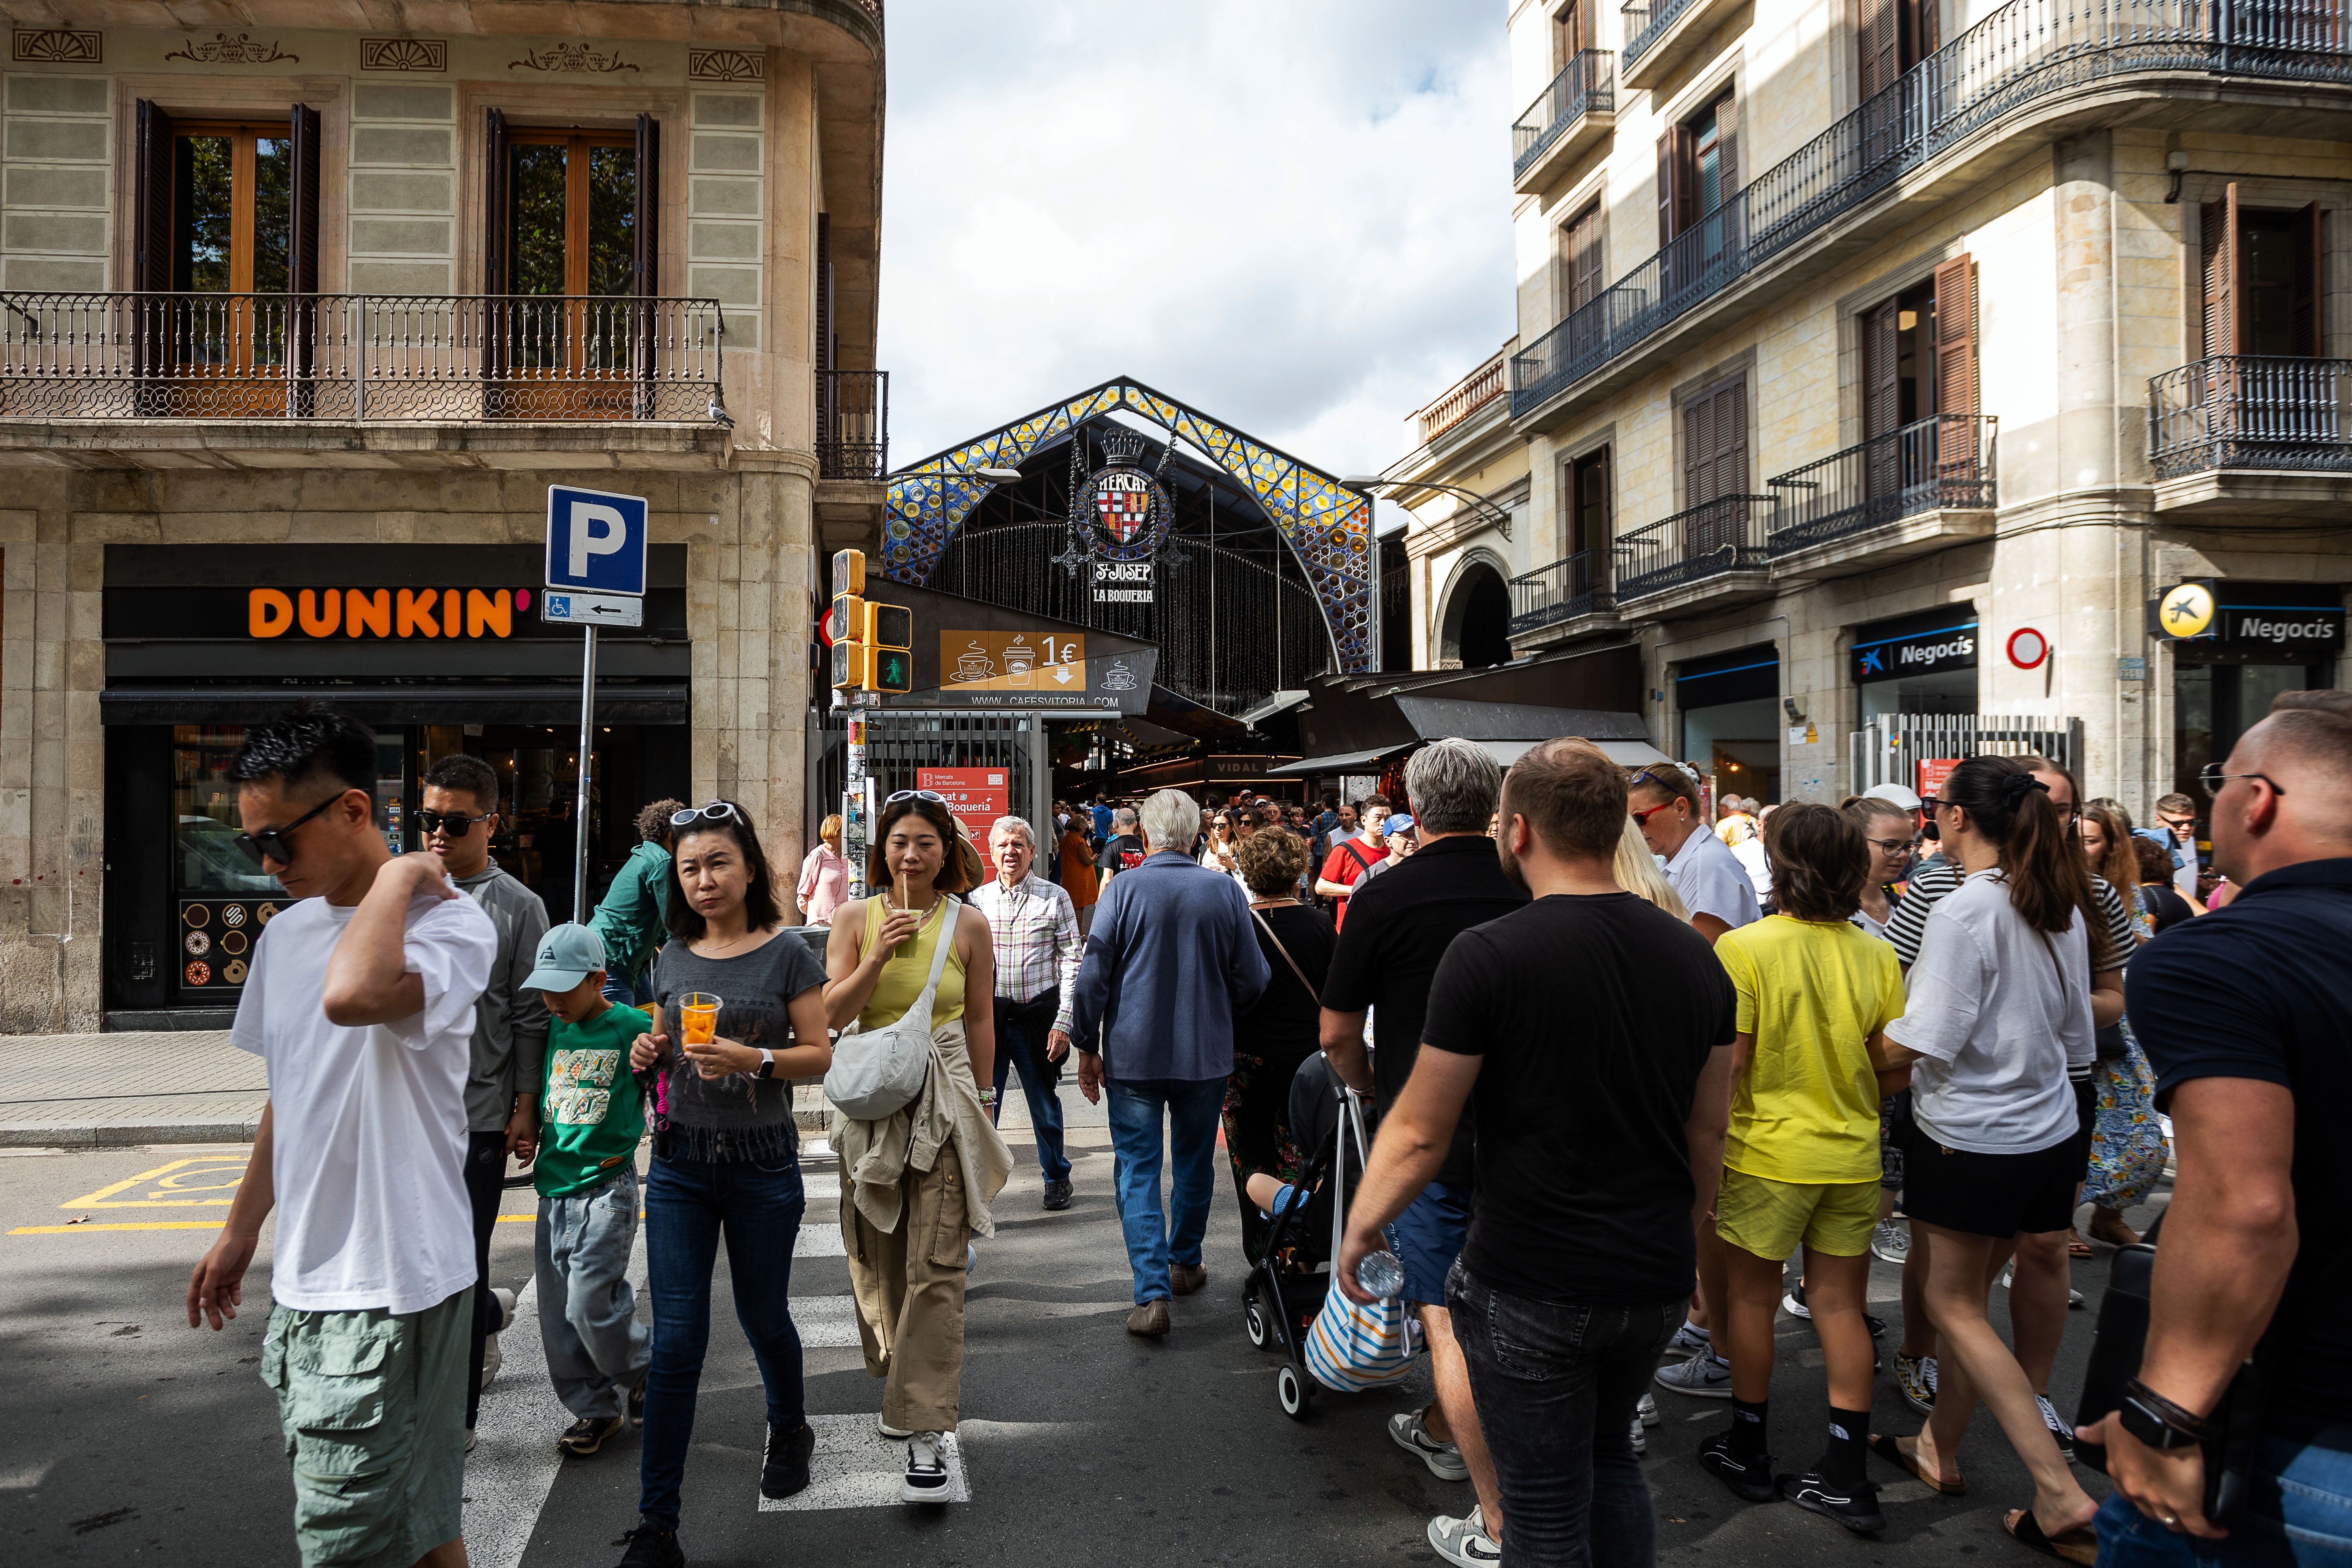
<point x="587" y="734"/>
<point x="854" y="822"/>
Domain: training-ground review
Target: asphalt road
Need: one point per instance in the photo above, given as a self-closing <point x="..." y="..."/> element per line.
<point x="126" y="1438"/>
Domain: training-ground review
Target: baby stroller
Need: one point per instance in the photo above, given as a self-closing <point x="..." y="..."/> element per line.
<point x="1288" y="1287"/>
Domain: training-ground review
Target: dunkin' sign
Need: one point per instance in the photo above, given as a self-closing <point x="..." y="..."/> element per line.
<point x="395" y="613"/>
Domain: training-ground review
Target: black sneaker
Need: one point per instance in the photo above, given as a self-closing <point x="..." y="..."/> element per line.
<point x="1057" y="1195"/>
<point x="1856" y="1506"/>
<point x="651" y="1547"/>
<point x="783" y="1469"/>
<point x="1750" y="1479"/>
<point x="587" y="1435"/>
<point x="637" y="1403"/>
<point x="1877" y="1325"/>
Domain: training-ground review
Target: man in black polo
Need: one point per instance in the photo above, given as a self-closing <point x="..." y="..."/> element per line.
<point x="2247" y="1018"/>
<point x="1399" y="925"/>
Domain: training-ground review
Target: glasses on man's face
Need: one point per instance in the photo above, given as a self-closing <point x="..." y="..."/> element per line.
<point x="2182" y="824"/>
<point x="454" y="823"/>
<point x="717" y="811"/>
<point x="277" y="843"/>
<point x="2211" y="776"/>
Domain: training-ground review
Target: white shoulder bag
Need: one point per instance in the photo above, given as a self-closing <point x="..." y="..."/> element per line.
<point x="878" y="1072"/>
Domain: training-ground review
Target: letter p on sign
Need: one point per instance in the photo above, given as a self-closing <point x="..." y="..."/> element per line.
<point x="596" y="540"/>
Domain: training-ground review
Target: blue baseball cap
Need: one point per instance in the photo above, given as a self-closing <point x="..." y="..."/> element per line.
<point x="1401" y="822"/>
<point x="567" y="954"/>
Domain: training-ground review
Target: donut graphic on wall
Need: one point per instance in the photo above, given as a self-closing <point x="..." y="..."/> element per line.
<point x="232" y="914"/>
<point x="265" y="914"/>
<point x="197" y="943"/>
<point x="233" y="972"/>
<point x="199" y="972"/>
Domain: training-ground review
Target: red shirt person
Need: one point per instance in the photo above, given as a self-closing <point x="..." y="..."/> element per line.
<point x="1352" y="861"/>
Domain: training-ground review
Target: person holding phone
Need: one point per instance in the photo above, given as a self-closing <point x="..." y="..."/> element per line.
<point x="726" y="1155"/>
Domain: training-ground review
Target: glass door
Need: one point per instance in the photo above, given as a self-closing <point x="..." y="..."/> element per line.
<point x="572" y="248"/>
<point x="232" y="232"/>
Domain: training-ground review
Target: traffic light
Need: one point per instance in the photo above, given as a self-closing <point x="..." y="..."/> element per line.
<point x="849" y="667"/>
<point x="849" y="572"/>
<point x="891" y="625"/>
<point x="893" y="670"/>
<point x="849" y="619"/>
<point x="873" y="645"/>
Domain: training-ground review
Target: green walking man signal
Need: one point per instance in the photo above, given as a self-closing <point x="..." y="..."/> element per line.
<point x="873" y="647"/>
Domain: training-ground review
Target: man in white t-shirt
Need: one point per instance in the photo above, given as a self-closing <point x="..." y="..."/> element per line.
<point x="361" y="1003"/>
<point x="1700" y="868"/>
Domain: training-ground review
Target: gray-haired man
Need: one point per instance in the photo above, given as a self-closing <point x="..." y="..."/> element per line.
<point x="1034" y="928"/>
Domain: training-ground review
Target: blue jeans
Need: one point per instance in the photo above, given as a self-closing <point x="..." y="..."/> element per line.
<point x="689" y="1203"/>
<point x="596" y="1349"/>
<point x="1192" y="1108"/>
<point x="1021" y="1030"/>
<point x="1556" y="1386"/>
<point x="627" y="993"/>
<point x="2298" y="1512"/>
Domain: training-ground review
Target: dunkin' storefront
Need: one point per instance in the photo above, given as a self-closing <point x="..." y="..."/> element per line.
<point x="440" y="649"/>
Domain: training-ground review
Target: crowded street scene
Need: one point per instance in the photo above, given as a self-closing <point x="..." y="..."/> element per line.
<point x="1734" y="944"/>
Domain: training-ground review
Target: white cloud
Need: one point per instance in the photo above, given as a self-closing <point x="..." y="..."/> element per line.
<point x="1292" y="214"/>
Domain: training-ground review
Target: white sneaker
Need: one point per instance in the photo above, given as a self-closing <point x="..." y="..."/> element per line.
<point x="1639" y="1439"/>
<point x="1891" y="1239"/>
<point x="927" y="1472"/>
<point x="505" y="1299"/>
<point x="1443" y="1459"/>
<point x="2060" y="1430"/>
<point x="1705" y="1375"/>
<point x="1465" y="1541"/>
<point x="491" y="1359"/>
<point x="469" y="1440"/>
<point x="1689" y="1340"/>
<point x="1793" y="1302"/>
<point x="1646" y="1411"/>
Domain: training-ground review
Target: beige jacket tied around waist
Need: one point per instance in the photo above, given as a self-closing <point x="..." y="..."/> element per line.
<point x="877" y="1155"/>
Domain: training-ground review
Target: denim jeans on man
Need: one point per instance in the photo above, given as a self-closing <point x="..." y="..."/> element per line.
<point x="2298" y="1512"/>
<point x="1556" y="1385"/>
<point x="687" y="1204"/>
<point x="1020" y="1031"/>
<point x="596" y="1349"/>
<point x="1192" y="1108"/>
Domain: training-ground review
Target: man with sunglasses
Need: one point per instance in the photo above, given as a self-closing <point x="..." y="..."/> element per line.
<point x="459" y="814"/>
<point x="360" y="1002"/>
<point x="1701" y="869"/>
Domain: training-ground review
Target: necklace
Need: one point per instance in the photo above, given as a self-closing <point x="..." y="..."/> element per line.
<point x="725" y="949"/>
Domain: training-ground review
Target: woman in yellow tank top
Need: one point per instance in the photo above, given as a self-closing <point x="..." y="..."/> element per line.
<point x="916" y="1184"/>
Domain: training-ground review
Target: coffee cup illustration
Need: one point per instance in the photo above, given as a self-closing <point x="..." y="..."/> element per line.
<point x="975" y="665"/>
<point x="1020" y="658"/>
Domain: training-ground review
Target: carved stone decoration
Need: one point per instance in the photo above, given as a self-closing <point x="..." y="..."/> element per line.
<point x="574" y="59"/>
<point x="403" y="54"/>
<point x="225" y="50"/>
<point x="57" y="47"/>
<point x="726" y="65"/>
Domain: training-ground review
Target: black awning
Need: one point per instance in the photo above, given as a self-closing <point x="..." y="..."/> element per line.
<point x="477" y="702"/>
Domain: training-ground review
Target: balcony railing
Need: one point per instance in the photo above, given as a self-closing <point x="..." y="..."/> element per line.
<point x="1573" y="585"/>
<point x="2243" y="412"/>
<point x="853" y="424"/>
<point x="1588" y="86"/>
<point x="2025" y="51"/>
<point x="1465" y="397"/>
<point x="1725" y="534"/>
<point x="1942" y="463"/>
<point x="359" y="357"/>
<point x="1645" y="24"/>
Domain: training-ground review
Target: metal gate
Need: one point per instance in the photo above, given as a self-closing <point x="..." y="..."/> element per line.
<point x="899" y="742"/>
<point x="1889" y="749"/>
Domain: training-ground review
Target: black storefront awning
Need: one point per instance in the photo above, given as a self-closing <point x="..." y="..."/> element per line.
<point x="474" y="702"/>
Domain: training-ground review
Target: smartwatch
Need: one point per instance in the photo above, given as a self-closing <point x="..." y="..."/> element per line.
<point x="2158" y="1422"/>
<point x="767" y="1063"/>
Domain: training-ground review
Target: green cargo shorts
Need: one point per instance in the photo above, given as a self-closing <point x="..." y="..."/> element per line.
<point x="373" y="1407"/>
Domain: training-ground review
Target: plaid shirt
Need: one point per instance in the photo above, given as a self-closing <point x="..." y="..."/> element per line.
<point x="1035" y="931"/>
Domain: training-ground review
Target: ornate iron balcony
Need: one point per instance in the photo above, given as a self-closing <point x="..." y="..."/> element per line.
<point x="358" y="358"/>
<point x="1588" y="86"/>
<point x="1645" y="24"/>
<point x="1573" y="585"/>
<point x="1725" y="534"/>
<point x="2026" y="51"/>
<point x="1942" y="463"/>
<point x="2244" y="412"/>
<point x="853" y="424"/>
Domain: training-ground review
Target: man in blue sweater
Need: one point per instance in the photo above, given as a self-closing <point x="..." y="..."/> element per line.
<point x="1170" y="957"/>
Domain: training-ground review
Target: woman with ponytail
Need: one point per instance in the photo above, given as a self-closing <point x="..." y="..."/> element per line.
<point x="1999" y="1008"/>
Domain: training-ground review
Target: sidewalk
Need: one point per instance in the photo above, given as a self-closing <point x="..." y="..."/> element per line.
<point x="105" y="1091"/>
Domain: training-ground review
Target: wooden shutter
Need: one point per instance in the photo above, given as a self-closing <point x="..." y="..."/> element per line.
<point x="498" y="207"/>
<point x="1880" y="36"/>
<point x="303" y="243"/>
<point x="1715" y="444"/>
<point x="647" y="232"/>
<point x="2218" y="223"/>
<point x="1926" y="28"/>
<point x="1956" y="337"/>
<point x="150" y="244"/>
<point x="1881" y="386"/>
<point x="2310" y="336"/>
<point x="823" y="346"/>
<point x="1575" y="34"/>
<point x="1583" y="239"/>
<point x="1727" y="141"/>
<point x="1670" y="185"/>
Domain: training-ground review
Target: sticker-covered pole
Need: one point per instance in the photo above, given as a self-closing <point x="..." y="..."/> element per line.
<point x="579" y="817"/>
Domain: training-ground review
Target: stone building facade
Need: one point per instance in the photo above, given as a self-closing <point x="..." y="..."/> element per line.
<point x="1882" y="361"/>
<point x="296" y="328"/>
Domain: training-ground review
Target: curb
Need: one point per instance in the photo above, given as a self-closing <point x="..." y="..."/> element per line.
<point x="121" y="1135"/>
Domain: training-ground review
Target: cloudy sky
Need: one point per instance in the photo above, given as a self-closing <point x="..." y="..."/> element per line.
<point x="1291" y="213"/>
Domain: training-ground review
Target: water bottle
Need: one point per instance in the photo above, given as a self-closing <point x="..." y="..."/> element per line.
<point x="1380" y="1274"/>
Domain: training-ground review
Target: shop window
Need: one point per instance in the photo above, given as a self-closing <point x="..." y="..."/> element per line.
<point x="1698" y="173"/>
<point x="1731" y="720"/>
<point x="2261" y="270"/>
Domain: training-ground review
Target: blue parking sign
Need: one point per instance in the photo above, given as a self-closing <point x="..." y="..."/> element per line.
<point x="596" y="540"/>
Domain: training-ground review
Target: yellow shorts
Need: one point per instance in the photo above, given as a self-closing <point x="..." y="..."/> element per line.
<point x="1759" y="1215"/>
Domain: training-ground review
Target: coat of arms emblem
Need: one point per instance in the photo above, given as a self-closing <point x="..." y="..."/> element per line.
<point x="1123" y="502"/>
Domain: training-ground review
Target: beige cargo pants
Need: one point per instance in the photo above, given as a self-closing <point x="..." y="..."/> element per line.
<point x="910" y="1287"/>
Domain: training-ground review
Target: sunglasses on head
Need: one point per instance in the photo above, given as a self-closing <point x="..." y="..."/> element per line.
<point x="914" y="794"/>
<point x="717" y="811"/>
<point x="274" y="843"/>
<point x="456" y="824"/>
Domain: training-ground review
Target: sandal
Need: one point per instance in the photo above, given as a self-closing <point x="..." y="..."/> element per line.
<point x="1885" y="1446"/>
<point x="2112" y="1231"/>
<point x="2076" y="1545"/>
<point x="2076" y="1247"/>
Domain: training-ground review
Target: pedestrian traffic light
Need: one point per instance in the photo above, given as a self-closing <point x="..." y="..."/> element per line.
<point x="893" y="670"/>
<point x="849" y="572"/>
<point x="849" y="619"/>
<point x="849" y="666"/>
<point x="893" y="626"/>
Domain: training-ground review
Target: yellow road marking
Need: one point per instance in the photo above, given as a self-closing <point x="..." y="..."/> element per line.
<point x="175" y="1176"/>
<point x="185" y="1225"/>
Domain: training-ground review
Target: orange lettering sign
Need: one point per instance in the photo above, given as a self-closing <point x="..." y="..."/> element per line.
<point x="269" y="613"/>
<point x="384" y="612"/>
<point x="367" y="612"/>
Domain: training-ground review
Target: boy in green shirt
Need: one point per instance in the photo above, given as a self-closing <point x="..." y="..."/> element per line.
<point x="592" y="1118"/>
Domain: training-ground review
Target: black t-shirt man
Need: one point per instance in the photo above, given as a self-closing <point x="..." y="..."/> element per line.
<point x="1120" y="852"/>
<point x="1400" y="925"/>
<point x="2261" y="989"/>
<point x="1596" y="1016"/>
